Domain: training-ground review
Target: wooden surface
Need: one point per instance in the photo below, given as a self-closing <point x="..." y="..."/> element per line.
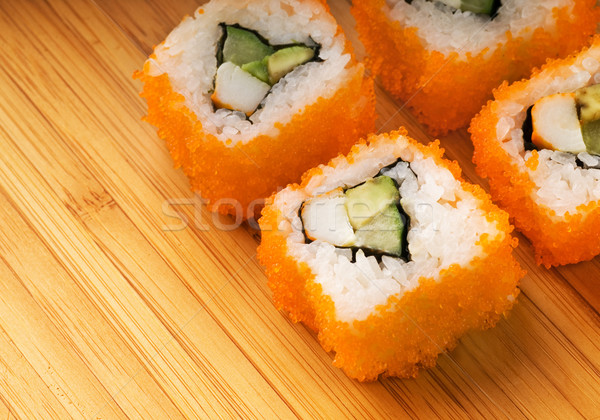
<point x="110" y="307"/>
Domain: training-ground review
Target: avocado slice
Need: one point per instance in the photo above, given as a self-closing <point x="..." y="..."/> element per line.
<point x="258" y="69"/>
<point x="481" y="7"/>
<point x="283" y="61"/>
<point x="383" y="233"/>
<point x="587" y="100"/>
<point x="591" y="136"/>
<point x="365" y="201"/>
<point x="242" y="46"/>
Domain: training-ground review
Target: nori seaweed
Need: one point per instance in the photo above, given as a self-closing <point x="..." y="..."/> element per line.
<point x="528" y="131"/>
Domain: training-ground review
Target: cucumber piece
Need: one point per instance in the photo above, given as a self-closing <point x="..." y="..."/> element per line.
<point x="258" y="69"/>
<point x="384" y="233"/>
<point x="282" y="61"/>
<point x="242" y="46"/>
<point x="591" y="136"/>
<point x="370" y="198"/>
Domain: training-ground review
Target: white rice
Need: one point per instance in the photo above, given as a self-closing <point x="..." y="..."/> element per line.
<point x="188" y="56"/>
<point x="443" y="29"/>
<point x="445" y="225"/>
<point x="560" y="184"/>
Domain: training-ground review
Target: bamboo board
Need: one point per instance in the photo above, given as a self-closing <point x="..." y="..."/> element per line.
<point x="111" y="306"/>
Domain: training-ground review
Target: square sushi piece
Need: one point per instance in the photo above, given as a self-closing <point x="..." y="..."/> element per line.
<point x="538" y="142"/>
<point x="444" y="57"/>
<point x="235" y="88"/>
<point x="389" y="256"/>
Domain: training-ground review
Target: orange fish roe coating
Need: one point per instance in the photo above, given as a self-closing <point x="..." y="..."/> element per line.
<point x="236" y="179"/>
<point x="235" y="175"/>
<point x="409" y="331"/>
<point x="444" y="91"/>
<point x="557" y="240"/>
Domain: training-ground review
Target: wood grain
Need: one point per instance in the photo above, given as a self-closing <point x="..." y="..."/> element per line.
<point x="111" y="307"/>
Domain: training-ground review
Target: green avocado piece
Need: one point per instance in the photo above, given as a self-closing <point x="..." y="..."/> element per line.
<point x="481" y="7"/>
<point x="384" y="233"/>
<point x="587" y="100"/>
<point x="258" y="69"/>
<point x="365" y="201"/>
<point x="591" y="136"/>
<point x="282" y="61"/>
<point x="242" y="47"/>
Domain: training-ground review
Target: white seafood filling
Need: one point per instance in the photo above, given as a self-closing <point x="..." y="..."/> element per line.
<point x="188" y="56"/>
<point x="465" y="32"/>
<point x="445" y="226"/>
<point x="561" y="184"/>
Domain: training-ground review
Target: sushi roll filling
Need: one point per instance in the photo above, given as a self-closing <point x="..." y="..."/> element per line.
<point x="480" y="7"/>
<point x="367" y="217"/>
<point x="248" y="66"/>
<point x="566" y="122"/>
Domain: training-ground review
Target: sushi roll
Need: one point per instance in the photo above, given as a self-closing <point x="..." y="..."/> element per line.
<point x="443" y="58"/>
<point x="389" y="255"/>
<point x="248" y="94"/>
<point x="538" y="143"/>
